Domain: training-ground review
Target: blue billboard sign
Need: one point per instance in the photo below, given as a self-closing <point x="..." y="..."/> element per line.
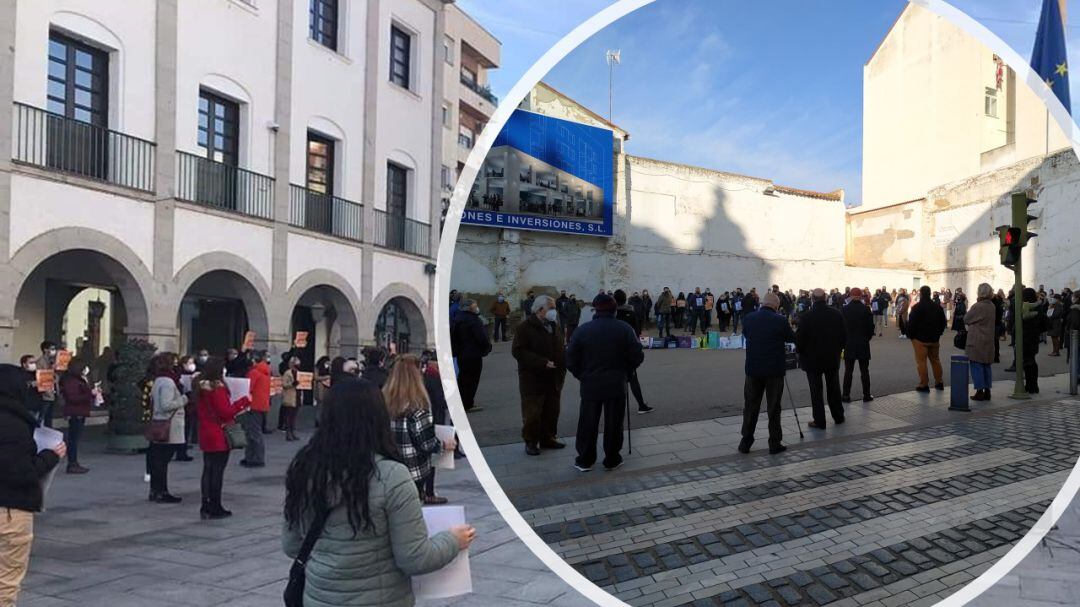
<point x="546" y="174"/>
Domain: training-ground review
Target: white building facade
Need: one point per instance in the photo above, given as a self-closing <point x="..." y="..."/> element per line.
<point x="187" y="171"/>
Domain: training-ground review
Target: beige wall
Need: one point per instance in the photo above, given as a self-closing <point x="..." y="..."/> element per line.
<point x="924" y="120"/>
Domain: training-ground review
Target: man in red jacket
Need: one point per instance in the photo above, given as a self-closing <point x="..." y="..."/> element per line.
<point x="255" y="420"/>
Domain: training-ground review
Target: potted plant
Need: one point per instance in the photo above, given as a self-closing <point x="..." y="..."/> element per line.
<point x="126" y="415"/>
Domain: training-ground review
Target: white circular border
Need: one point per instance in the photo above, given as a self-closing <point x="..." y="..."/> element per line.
<point x="445" y="259"/>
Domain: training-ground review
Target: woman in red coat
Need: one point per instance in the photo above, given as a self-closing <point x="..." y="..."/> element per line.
<point x="79" y="397"/>
<point x="215" y="411"/>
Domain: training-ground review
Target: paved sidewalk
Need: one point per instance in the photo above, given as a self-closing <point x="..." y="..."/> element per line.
<point x="902" y="505"/>
<point x="102" y="544"/>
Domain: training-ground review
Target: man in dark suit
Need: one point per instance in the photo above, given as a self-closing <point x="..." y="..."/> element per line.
<point x="600" y="355"/>
<point x="859" y="321"/>
<point x="538" y="349"/>
<point x="470" y="345"/>
<point x="766" y="333"/>
<point x="820" y="339"/>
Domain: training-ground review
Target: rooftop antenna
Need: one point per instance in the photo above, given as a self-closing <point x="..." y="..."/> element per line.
<point x="614" y="57"/>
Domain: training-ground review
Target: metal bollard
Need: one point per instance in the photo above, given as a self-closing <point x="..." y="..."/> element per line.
<point x="1074" y="360"/>
<point x="958" y="400"/>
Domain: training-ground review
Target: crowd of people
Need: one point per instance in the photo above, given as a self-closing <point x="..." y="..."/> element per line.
<point x="826" y="331"/>
<point x="363" y="475"/>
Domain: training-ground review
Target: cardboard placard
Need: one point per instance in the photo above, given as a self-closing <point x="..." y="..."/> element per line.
<point x="63" y="360"/>
<point x="239" y="387"/>
<point x="304" y="380"/>
<point x="444" y="459"/>
<point x="456" y="578"/>
<point x="46" y="380"/>
<point x="300" y="339"/>
<point x="276" y="386"/>
<point x="249" y="341"/>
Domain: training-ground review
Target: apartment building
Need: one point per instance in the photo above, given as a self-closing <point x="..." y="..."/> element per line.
<point x="187" y="171"/>
<point x="469" y="51"/>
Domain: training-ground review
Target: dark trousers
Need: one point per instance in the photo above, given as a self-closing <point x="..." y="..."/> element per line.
<point x="74" y="433"/>
<point x="253" y="422"/>
<point x="635" y="389"/>
<point x="589" y="426"/>
<point x="772" y="388"/>
<point x="191" y="429"/>
<point x="831" y="386"/>
<point x="706" y="320"/>
<point x="692" y="323"/>
<point x="158" y="456"/>
<point x="213" y="476"/>
<point x="735" y="318"/>
<point x="570" y="327"/>
<point x="864" y="374"/>
<point x="722" y="321"/>
<point x="663" y="323"/>
<point x="45" y="417"/>
<point x="1031" y="380"/>
<point x="540" y="416"/>
<point x="500" y="329"/>
<point x="469" y="370"/>
<point x="290" y="418"/>
<point x="427" y="486"/>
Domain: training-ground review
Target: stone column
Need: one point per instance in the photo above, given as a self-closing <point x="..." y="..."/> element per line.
<point x="7" y="97"/>
<point x="373" y="71"/>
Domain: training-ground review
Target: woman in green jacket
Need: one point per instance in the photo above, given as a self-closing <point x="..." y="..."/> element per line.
<point x="375" y="538"/>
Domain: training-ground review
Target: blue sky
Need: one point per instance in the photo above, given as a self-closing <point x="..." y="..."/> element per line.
<point x="771" y="89"/>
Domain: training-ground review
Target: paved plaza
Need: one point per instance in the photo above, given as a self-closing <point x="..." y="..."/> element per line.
<point x="691" y="385"/>
<point x="902" y="505"/>
<point x="100" y="543"/>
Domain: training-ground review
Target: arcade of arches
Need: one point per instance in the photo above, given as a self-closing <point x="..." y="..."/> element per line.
<point x="88" y="300"/>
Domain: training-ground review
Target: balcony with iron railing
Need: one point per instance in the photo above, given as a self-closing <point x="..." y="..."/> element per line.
<point x="325" y="214"/>
<point x="224" y="187"/>
<point x="65" y="145"/>
<point x="480" y="89"/>
<point x="397" y="232"/>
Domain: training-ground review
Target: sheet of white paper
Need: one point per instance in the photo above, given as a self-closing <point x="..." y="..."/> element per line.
<point x="185" y="381"/>
<point x="47" y="438"/>
<point x="239" y="387"/>
<point x="455" y="579"/>
<point x="444" y="459"/>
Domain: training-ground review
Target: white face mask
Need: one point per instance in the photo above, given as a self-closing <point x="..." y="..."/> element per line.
<point x="85" y="372"/>
<point x="551" y="315"/>
<point x="190" y="367"/>
<point x="31" y="367"/>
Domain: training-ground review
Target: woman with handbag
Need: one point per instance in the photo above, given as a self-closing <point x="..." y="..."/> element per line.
<point x="165" y="432"/>
<point x="290" y="397"/>
<point x="218" y="434"/>
<point x="353" y="520"/>
<point x="79" y="397"/>
<point x="980" y="324"/>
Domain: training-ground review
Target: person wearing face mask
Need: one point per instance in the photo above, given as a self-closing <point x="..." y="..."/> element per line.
<point x="34" y="403"/>
<point x="290" y="397"/>
<point x="167" y="401"/>
<point x="79" y="397"/>
<point x="663" y="312"/>
<point x="201" y="358"/>
<point x="48" y="398"/>
<point x="500" y="312"/>
<point x="471" y="346"/>
<point x="375" y="366"/>
<point x="255" y="420"/>
<point x="187" y="366"/>
<point x="538" y="350"/>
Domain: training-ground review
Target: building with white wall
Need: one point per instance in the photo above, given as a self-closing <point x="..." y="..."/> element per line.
<point x="209" y="167"/>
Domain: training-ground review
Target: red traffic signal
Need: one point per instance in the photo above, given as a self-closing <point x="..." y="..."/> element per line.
<point x="1012" y="236"/>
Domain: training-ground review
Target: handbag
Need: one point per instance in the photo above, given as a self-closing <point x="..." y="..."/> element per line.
<point x="960" y="340"/>
<point x="294" y="589"/>
<point x="235" y="435"/>
<point x="157" y="430"/>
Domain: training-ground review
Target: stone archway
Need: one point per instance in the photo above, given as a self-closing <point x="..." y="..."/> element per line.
<point x="321" y="301"/>
<point x="216" y="298"/>
<point x="50" y="271"/>
<point x="405" y="303"/>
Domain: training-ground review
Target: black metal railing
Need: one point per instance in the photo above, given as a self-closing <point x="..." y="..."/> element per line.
<point x="222" y="186"/>
<point x="326" y="214"/>
<point x="395" y="231"/>
<point x="66" y="145"/>
<point x="480" y="89"/>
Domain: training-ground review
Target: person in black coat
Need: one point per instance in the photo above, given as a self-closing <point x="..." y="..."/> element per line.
<point x="601" y="356"/>
<point x="767" y="334"/>
<point x="820" y="339"/>
<point x="926" y="323"/>
<point x="374" y="366"/>
<point x="471" y="345"/>
<point x="22" y="468"/>
<point x="628" y="314"/>
<point x="859" y="322"/>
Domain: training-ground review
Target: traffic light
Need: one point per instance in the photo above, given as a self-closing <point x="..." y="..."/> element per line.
<point x="1021" y="218"/>
<point x="1009" y="239"/>
<point x="1013" y="238"/>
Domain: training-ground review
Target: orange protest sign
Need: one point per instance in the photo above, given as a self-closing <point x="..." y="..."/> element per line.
<point x="300" y="340"/>
<point x="63" y="359"/>
<point x="304" y="380"/>
<point x="275" y="385"/>
<point x="46" y="380"/>
<point x="249" y="341"/>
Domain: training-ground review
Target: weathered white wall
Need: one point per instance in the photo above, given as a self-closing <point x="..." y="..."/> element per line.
<point x="198" y="233"/>
<point x="388" y="269"/>
<point x="308" y="253"/>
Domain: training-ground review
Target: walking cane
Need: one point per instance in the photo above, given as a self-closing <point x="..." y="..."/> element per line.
<point x="629" y="441"/>
<point x="791" y="399"/>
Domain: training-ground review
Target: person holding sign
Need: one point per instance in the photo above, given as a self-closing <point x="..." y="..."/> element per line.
<point x="289" y="397"/>
<point x="48" y="393"/>
<point x="373" y="534"/>
<point x="216" y="410"/>
<point x="23" y="467"/>
<point x="255" y="421"/>
<point x="413" y="425"/>
<point x="79" y="397"/>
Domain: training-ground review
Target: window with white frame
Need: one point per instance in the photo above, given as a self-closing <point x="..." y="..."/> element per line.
<point x="400" y="57"/>
<point x="323" y="22"/>
<point x="991" y="103"/>
<point x="448" y="49"/>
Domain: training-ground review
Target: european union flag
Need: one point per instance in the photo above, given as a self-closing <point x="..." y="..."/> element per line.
<point x="1048" y="58"/>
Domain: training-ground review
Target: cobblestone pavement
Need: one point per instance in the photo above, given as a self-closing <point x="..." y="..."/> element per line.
<point x="100" y="543"/>
<point x="901" y="505"/>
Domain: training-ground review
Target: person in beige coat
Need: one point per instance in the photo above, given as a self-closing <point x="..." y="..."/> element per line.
<point x="168" y="400"/>
<point x="981" y="324"/>
<point x="290" y="400"/>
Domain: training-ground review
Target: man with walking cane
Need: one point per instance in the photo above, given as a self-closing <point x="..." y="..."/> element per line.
<point x="767" y="334"/>
<point x="601" y="355"/>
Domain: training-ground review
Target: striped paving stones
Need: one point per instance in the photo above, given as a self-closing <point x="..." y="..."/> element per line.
<point x="904" y="515"/>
